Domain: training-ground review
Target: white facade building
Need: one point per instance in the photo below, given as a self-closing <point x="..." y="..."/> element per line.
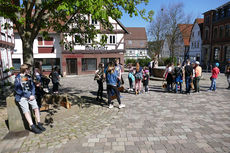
<point x="196" y="42"/>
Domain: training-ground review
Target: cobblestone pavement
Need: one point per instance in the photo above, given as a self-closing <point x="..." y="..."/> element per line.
<point x="156" y="122"/>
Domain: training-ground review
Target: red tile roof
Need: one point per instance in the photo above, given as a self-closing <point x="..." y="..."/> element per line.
<point x="136" y="33"/>
<point x="185" y="30"/>
<point x="199" y="20"/>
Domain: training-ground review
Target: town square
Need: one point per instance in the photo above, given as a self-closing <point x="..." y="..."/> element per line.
<point x="94" y="76"/>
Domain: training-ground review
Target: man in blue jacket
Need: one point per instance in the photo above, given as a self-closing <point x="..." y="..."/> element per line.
<point x="25" y="95"/>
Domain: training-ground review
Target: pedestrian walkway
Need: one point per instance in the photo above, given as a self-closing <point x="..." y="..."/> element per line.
<point x="156" y="122"/>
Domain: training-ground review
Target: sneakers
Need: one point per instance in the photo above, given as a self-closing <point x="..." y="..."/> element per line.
<point x="110" y="106"/>
<point x="121" y="106"/>
<point x="40" y="127"/>
<point x="35" y="129"/>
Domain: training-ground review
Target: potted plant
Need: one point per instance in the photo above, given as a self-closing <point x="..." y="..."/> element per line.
<point x="12" y="70"/>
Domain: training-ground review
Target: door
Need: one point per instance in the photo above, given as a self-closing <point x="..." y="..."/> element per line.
<point x="71" y="66"/>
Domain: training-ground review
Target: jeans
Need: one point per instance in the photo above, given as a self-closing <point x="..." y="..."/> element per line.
<point x="100" y="88"/>
<point x="109" y="90"/>
<point x="55" y="86"/>
<point x="197" y="85"/>
<point x="130" y="83"/>
<point x="169" y="86"/>
<point x="188" y="82"/>
<point x="177" y="87"/>
<point x="213" y="84"/>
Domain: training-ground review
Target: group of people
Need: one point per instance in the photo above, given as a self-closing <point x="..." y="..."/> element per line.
<point x="30" y="90"/>
<point x="112" y="75"/>
<point x="174" y="75"/>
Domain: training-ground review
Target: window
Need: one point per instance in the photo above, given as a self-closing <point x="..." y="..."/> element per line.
<point x="40" y="42"/>
<point x="94" y="21"/>
<point x="206" y="34"/>
<point x="227" y="31"/>
<point x="130" y="42"/>
<point x="104" y="39"/>
<point x="207" y="18"/>
<point x="192" y="34"/>
<point x="77" y="38"/>
<point x="227" y="53"/>
<point x="47" y="41"/>
<point x="221" y="31"/>
<point x="87" y="40"/>
<point x="130" y="52"/>
<point x="141" y="53"/>
<point x="215" y="33"/>
<point x="216" y="53"/>
<point x="48" y="63"/>
<point x="16" y="63"/>
<point x="112" y="39"/>
<point x="89" y="64"/>
<point x="198" y="44"/>
<point x="107" y="60"/>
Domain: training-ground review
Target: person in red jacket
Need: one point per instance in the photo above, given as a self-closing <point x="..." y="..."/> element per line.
<point x="215" y="73"/>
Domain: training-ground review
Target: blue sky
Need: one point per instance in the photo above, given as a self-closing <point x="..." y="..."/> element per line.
<point x="194" y="7"/>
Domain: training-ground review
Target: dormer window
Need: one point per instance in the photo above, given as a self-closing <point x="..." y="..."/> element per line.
<point x="94" y="21"/>
<point x="112" y="39"/>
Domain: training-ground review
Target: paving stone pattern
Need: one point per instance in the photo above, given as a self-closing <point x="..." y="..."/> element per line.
<point x="155" y="122"/>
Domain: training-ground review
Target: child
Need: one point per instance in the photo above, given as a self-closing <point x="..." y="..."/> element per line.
<point x="131" y="77"/>
<point x="178" y="73"/>
<point x="25" y="95"/>
<point x="146" y="79"/>
<point x="215" y="73"/>
<point x="138" y="78"/>
<point x="111" y="80"/>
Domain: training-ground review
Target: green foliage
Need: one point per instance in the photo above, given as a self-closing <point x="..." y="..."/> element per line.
<point x="132" y="61"/>
<point x="165" y="61"/>
<point x="6" y="70"/>
<point x="144" y="62"/>
<point x="12" y="68"/>
<point x="32" y="17"/>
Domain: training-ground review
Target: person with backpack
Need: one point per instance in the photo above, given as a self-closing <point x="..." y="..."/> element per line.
<point x="54" y="76"/>
<point x="178" y="73"/>
<point x="146" y="79"/>
<point x="131" y="77"/>
<point x="99" y="76"/>
<point x="111" y="80"/>
<point x="138" y="77"/>
<point x="215" y="73"/>
<point x="188" y="76"/>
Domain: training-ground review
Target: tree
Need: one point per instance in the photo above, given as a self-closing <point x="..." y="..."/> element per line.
<point x="156" y="34"/>
<point x="166" y="27"/>
<point x="30" y="17"/>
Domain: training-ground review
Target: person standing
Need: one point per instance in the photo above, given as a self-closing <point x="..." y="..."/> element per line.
<point x="138" y="78"/>
<point x="178" y="73"/>
<point x="54" y="76"/>
<point x="99" y="76"/>
<point x="146" y="79"/>
<point x="25" y="95"/>
<point x="38" y="86"/>
<point x="169" y="77"/>
<point x="188" y="76"/>
<point x="198" y="73"/>
<point x="111" y="80"/>
<point x="227" y="73"/>
<point x="215" y="73"/>
<point x="131" y="77"/>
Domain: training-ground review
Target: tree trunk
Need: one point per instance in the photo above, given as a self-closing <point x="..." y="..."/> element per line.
<point x="27" y="46"/>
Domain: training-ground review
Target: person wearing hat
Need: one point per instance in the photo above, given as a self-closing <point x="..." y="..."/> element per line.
<point x="25" y="95"/>
<point x="198" y="72"/>
<point x="215" y="73"/>
<point x="227" y="73"/>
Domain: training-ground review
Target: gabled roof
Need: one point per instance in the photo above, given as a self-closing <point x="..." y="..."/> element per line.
<point x="185" y="30"/>
<point x="199" y="20"/>
<point x="136" y="33"/>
